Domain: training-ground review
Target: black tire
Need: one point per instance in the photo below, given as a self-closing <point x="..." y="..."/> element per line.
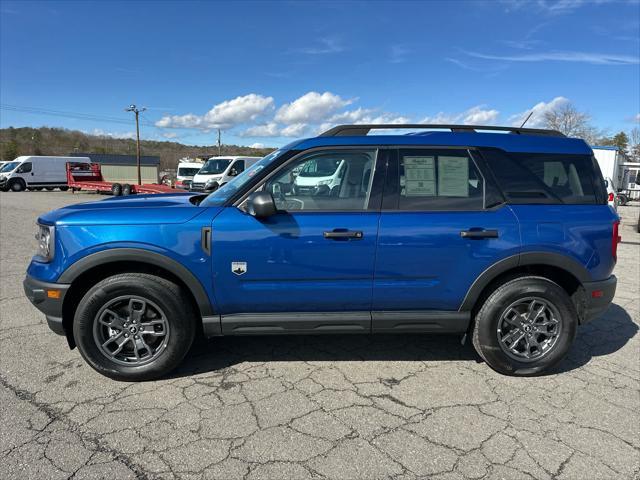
<point x="126" y="189"/>
<point x="49" y="189"/>
<point x="622" y="199"/>
<point x="485" y="330"/>
<point x="116" y="189"/>
<point x="169" y="299"/>
<point x="37" y="189"/>
<point x="64" y="189"/>
<point x="17" y="186"/>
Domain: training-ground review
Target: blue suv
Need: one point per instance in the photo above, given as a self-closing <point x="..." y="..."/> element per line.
<point x="500" y="234"/>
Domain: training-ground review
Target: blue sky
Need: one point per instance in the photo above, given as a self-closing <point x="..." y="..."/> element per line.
<point x="268" y="71"/>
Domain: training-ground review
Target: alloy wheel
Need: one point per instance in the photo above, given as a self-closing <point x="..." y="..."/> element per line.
<point x="529" y="328"/>
<point x="131" y="330"/>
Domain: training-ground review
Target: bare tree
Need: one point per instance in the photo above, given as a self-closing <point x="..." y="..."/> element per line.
<point x="567" y="119"/>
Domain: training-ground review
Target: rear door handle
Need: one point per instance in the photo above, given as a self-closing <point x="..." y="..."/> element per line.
<point x="479" y="234"/>
<point x="342" y="234"/>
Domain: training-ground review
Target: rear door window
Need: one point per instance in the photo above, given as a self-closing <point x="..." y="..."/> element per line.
<point x="438" y="179"/>
<point x="544" y="178"/>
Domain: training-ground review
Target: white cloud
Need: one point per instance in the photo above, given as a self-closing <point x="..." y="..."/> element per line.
<point x="294" y="130"/>
<point x="325" y="45"/>
<point x="170" y="135"/>
<point x="539" y="111"/>
<point x="551" y="7"/>
<point x="227" y="114"/>
<point x="270" y="129"/>
<point x="311" y="107"/>
<point x="256" y="145"/>
<point x="238" y="110"/>
<point x="181" y="121"/>
<point x="562" y="56"/>
<point x="478" y="115"/>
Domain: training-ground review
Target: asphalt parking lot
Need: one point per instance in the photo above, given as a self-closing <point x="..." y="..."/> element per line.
<point x="315" y="407"/>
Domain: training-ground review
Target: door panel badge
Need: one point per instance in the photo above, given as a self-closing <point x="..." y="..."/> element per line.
<point x="239" y="268"/>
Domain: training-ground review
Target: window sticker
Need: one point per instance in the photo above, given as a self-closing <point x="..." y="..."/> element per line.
<point x="453" y="176"/>
<point x="420" y="178"/>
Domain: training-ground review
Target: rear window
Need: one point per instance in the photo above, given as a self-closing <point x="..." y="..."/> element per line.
<point x="545" y="178"/>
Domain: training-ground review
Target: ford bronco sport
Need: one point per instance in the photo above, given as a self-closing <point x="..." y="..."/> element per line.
<point x="502" y="234"/>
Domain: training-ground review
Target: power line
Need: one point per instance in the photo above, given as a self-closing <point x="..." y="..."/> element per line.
<point x="74" y="115"/>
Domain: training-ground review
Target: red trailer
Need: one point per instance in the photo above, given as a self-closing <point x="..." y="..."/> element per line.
<point x="88" y="176"/>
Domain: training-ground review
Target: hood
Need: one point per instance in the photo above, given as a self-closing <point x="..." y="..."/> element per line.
<point x="130" y="210"/>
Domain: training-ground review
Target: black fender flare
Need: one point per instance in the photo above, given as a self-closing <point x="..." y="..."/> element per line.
<point x="550" y="259"/>
<point x="140" y="255"/>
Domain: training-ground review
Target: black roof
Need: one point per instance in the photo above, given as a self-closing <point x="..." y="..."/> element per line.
<point x="114" y="159"/>
<point x="357" y="130"/>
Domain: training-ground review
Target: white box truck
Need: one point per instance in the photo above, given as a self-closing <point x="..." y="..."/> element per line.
<point x="609" y="159"/>
<point x="36" y="172"/>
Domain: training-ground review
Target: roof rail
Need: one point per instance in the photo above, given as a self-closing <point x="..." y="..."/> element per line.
<point x="358" y="130"/>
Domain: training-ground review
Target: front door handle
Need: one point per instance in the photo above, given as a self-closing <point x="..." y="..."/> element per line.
<point x="479" y="234"/>
<point x="342" y="234"/>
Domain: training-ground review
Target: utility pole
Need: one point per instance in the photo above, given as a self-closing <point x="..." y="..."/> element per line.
<point x="136" y="110"/>
<point x="219" y="144"/>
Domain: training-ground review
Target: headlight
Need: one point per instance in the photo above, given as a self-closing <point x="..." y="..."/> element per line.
<point x="45" y="239"/>
<point x="324" y="182"/>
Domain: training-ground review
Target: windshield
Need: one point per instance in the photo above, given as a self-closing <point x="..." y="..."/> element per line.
<point x="9" y="166"/>
<point x="187" y="171"/>
<point x="212" y="166"/>
<point x="228" y="189"/>
<point x="321" y="167"/>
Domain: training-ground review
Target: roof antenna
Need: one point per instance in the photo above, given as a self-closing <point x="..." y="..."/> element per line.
<point x="527" y="119"/>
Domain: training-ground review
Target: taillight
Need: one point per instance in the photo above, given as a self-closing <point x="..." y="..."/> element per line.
<point x="615" y="240"/>
<point x="610" y="198"/>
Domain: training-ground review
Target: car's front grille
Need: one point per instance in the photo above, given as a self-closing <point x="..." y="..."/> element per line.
<point x="197" y="186"/>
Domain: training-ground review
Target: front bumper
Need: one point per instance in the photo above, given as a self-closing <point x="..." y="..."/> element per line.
<point x="599" y="296"/>
<point x="48" y="298"/>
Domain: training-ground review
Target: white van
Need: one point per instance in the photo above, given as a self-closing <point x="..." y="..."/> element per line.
<point x="220" y="170"/>
<point x="323" y="171"/>
<point x="36" y="172"/>
<point x="185" y="173"/>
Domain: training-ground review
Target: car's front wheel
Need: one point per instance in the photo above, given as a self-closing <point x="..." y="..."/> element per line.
<point x="134" y="326"/>
<point x="525" y="326"/>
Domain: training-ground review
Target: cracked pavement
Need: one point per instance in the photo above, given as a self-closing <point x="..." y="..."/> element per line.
<point x="366" y="407"/>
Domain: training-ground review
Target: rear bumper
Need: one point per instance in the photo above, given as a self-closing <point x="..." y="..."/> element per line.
<point x="599" y="296"/>
<point x="38" y="294"/>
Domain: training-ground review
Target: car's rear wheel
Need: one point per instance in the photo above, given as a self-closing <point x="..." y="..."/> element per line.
<point x="126" y="189"/>
<point x="116" y="189"/>
<point x="525" y="326"/>
<point x="134" y="326"/>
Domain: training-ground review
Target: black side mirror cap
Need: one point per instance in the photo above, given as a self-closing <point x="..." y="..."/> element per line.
<point x="261" y="205"/>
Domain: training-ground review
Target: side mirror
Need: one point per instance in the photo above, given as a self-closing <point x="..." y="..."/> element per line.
<point x="261" y="205"/>
<point x="211" y="186"/>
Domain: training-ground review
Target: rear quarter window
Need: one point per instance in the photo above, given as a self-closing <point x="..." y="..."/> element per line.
<point x="546" y="178"/>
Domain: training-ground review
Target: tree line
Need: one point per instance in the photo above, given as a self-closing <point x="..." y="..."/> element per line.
<point x="569" y="120"/>
<point x="59" y="141"/>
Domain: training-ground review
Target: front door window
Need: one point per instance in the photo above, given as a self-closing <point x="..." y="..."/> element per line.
<point x="327" y="181"/>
